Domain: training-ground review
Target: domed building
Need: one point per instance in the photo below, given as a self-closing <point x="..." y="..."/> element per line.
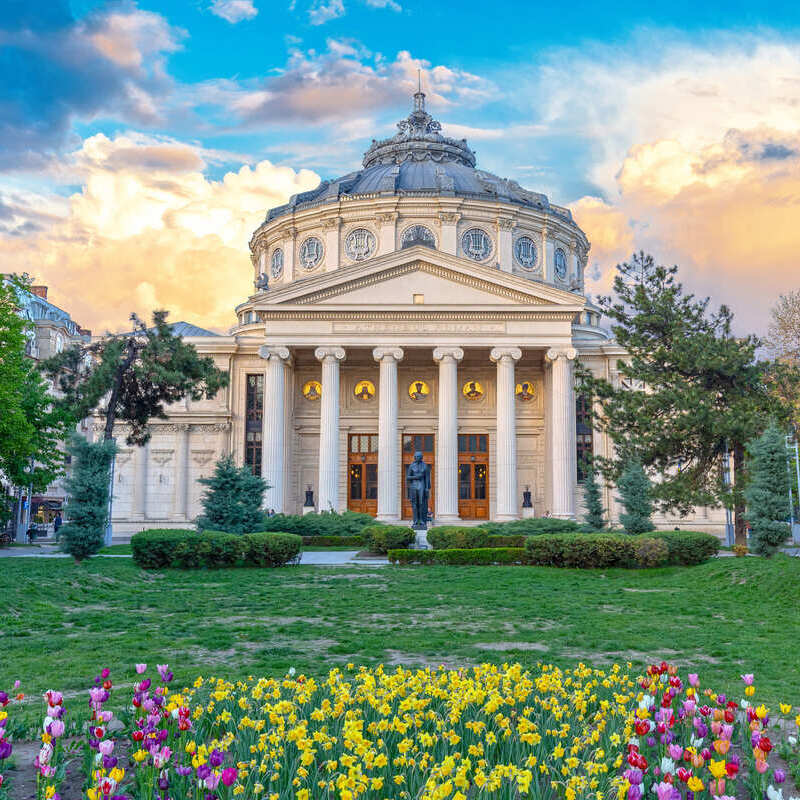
<point x="417" y="304"/>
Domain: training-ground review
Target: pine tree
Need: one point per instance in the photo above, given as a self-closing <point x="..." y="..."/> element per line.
<point x="233" y="500"/>
<point x="635" y="490"/>
<point x="768" y="491"/>
<point x="87" y="492"/>
<point x="688" y="389"/>
<point x="594" y="504"/>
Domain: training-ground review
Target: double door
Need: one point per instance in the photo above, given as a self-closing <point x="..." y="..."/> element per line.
<point x="473" y="476"/>
<point x="362" y="473"/>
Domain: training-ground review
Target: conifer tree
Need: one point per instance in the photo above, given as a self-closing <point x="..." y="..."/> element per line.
<point x="688" y="389"/>
<point x="767" y="493"/>
<point x="635" y="494"/>
<point x="594" y="505"/>
<point x="233" y="500"/>
<point x="87" y="489"/>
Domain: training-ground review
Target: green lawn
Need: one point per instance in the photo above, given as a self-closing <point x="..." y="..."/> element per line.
<point x="60" y="622"/>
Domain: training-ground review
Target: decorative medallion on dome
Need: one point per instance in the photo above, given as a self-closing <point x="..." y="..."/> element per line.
<point x="311" y="252"/>
<point x="525" y="252"/>
<point x="417" y="234"/>
<point x="476" y="244"/>
<point x="560" y="259"/>
<point x="276" y="264"/>
<point x="359" y="244"/>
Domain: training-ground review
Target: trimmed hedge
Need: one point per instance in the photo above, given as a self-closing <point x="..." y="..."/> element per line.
<point x="334" y="541"/>
<point x="382" y="538"/>
<point x="686" y="548"/>
<point x="184" y="549"/>
<point x="328" y="523"/>
<point x="460" y="537"/>
<point x="533" y="527"/>
<point x="482" y="556"/>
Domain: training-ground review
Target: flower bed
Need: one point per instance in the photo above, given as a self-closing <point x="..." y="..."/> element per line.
<point x="430" y="734"/>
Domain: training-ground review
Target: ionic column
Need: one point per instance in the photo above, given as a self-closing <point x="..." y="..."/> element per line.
<point x="181" y="501"/>
<point x="562" y="427"/>
<point x="447" y="445"/>
<point x="388" y="441"/>
<point x="140" y="482"/>
<point x="506" y="447"/>
<point x="328" y="481"/>
<point x="273" y="426"/>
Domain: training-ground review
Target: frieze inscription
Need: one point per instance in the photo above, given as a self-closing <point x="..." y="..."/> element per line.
<point x="419" y="326"/>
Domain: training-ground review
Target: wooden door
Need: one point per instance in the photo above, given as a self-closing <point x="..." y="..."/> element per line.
<point x="425" y="444"/>
<point x="362" y="473"/>
<point x="473" y="476"/>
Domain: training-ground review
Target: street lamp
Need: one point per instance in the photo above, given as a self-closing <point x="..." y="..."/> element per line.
<point x="730" y="537"/>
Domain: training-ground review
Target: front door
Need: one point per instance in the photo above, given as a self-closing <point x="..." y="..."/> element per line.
<point x="473" y="476"/>
<point x="362" y="473"/>
<point x="424" y="443"/>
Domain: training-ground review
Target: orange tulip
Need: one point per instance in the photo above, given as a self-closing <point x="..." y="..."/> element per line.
<point x="722" y="746"/>
<point x="697" y="761"/>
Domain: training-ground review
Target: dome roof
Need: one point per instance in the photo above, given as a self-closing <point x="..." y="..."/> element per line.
<point x="419" y="160"/>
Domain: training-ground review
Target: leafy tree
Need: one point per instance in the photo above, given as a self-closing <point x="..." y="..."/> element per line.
<point x="635" y="494"/>
<point x="689" y="387"/>
<point x="132" y="377"/>
<point x="767" y="493"/>
<point x="783" y="342"/>
<point x="594" y="505"/>
<point x="31" y="425"/>
<point x="233" y="501"/>
<point x="87" y="487"/>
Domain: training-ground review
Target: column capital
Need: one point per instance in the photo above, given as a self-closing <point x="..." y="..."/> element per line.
<point x="444" y="353"/>
<point x="500" y="353"/>
<point x="389" y="353"/>
<point x="267" y="352"/>
<point x="554" y="353"/>
<point x="329" y="353"/>
<point x="449" y="217"/>
<point x="182" y="427"/>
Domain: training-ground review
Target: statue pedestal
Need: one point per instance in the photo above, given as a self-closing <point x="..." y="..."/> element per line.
<point x="420" y="540"/>
<point x="528" y="513"/>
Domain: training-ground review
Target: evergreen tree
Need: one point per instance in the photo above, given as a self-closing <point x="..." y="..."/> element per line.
<point x="87" y="491"/>
<point x="233" y="500"/>
<point x="635" y="494"/>
<point x="768" y="492"/>
<point x="688" y="388"/>
<point x="594" y="504"/>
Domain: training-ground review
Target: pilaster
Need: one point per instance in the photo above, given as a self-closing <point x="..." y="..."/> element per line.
<point x="332" y="228"/>
<point x="448" y="236"/>
<point x="505" y="258"/>
<point x="387" y="233"/>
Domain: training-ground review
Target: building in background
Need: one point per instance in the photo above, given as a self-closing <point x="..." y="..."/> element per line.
<point x="417" y="304"/>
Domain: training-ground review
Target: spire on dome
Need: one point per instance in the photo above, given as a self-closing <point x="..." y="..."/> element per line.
<point x="419" y="95"/>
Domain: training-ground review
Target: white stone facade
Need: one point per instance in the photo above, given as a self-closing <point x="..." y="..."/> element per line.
<point x="443" y="308"/>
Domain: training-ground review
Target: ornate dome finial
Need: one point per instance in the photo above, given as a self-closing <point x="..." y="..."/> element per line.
<point x="419" y="95"/>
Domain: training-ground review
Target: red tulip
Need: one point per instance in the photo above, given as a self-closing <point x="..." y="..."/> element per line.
<point x="731" y="768"/>
<point x="764" y="744"/>
<point x="683" y="774"/>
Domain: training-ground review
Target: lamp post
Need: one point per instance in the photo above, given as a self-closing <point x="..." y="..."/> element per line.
<point x="730" y="536"/>
<point x="791" y="440"/>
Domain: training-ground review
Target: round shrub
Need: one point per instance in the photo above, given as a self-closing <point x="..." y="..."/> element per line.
<point x="271" y="549"/>
<point x="448" y="537"/>
<point x="327" y="523"/>
<point x="651" y="552"/>
<point x="382" y="538"/>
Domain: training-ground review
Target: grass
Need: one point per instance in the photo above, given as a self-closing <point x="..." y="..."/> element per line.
<point x="61" y="622"/>
<point x="116" y="549"/>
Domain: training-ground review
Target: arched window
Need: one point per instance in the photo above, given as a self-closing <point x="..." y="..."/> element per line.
<point x="583" y="431"/>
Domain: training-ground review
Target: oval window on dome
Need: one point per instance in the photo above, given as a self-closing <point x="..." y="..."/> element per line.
<point x="359" y="244"/>
<point x="476" y="244"/>
<point x="561" y="263"/>
<point x="311" y="252"/>
<point x="525" y="252"/>
<point x="277" y="262"/>
<point x="417" y="234"/>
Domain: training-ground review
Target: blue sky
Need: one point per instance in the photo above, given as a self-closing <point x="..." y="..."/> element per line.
<point x="135" y="131"/>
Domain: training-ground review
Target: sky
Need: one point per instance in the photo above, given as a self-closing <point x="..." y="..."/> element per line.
<point x="141" y="143"/>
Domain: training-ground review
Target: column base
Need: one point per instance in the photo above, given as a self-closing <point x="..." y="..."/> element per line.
<point x="389" y="519"/>
<point x="446" y="519"/>
<point x="506" y="517"/>
<point x="564" y="516"/>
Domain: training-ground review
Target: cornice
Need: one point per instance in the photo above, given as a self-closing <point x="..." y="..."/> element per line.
<point x="276" y="313"/>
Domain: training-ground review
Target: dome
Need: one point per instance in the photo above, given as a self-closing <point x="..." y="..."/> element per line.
<point x="419" y="160"/>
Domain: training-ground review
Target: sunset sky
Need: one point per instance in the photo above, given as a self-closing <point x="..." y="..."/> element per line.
<point x="142" y="142"/>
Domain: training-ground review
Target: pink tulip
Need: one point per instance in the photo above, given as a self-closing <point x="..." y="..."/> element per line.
<point x="56" y="728"/>
<point x="212" y="781"/>
<point x="675" y="752"/>
<point x="716" y="727"/>
<point x="694" y="680"/>
<point x="664" y="791"/>
<point x="748" y="679"/>
<point x="761" y="765"/>
<point x="140" y="668"/>
<point x="229" y="775"/>
<point x="727" y="732"/>
<point x="106" y="747"/>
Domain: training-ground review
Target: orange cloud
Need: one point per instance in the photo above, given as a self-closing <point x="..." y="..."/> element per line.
<point x="149" y="230"/>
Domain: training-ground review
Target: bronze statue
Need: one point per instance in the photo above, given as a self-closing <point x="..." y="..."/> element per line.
<point x="418" y="486"/>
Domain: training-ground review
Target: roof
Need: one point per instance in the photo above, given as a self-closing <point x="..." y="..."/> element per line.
<point x="187" y="329"/>
<point x="419" y="160"/>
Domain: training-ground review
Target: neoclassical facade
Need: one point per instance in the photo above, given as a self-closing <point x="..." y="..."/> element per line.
<point x="418" y="304"/>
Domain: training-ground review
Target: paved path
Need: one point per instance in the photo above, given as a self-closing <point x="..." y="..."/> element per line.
<point x="317" y="558"/>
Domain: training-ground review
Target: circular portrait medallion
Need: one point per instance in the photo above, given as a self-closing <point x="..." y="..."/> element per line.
<point x="472" y="390"/>
<point x="525" y="391"/>
<point x="312" y="390"/>
<point x="364" y="390"/>
<point x="418" y="390"/>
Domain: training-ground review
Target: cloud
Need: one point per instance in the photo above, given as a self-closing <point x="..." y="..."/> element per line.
<point x="234" y="10"/>
<point x="390" y="4"/>
<point x="58" y="70"/>
<point x="147" y="230"/>
<point x="343" y="81"/>
<point x="322" y="11"/>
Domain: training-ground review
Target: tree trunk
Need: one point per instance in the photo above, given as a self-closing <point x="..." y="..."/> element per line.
<point x="739" y="524"/>
<point x="111" y="408"/>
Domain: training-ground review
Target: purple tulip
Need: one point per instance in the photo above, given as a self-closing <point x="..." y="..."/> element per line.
<point x="779" y="776"/>
<point x="183" y="771"/>
<point x="203" y="771"/>
<point x="109" y="762"/>
<point x="5" y="749"/>
<point x="651" y="742"/>
<point x="216" y="758"/>
<point x="634" y="792"/>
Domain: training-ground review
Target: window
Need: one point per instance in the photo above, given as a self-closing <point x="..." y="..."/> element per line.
<point x="583" y="431"/>
<point x="254" y="413"/>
